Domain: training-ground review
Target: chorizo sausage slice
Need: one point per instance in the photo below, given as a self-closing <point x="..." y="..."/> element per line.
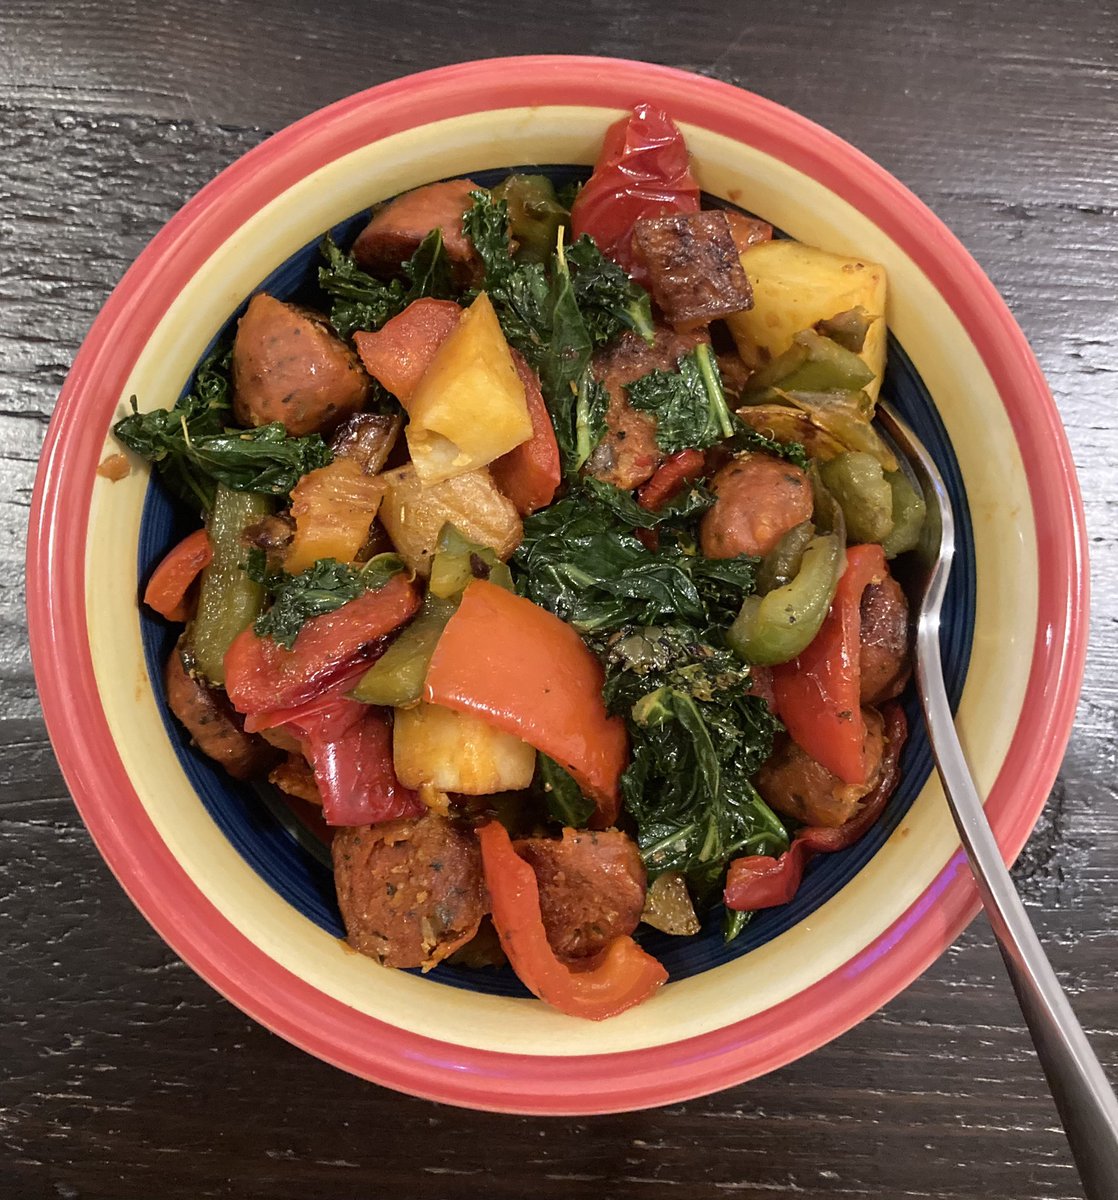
<point x="212" y="722"/>
<point x="592" y="888"/>
<point x="758" y="498"/>
<point x="885" y="661"/>
<point x="410" y="891"/>
<point x="289" y="366"/>
<point x="796" y="785"/>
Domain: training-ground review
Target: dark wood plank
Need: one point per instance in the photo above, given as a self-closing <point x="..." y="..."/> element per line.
<point x="127" y="1076"/>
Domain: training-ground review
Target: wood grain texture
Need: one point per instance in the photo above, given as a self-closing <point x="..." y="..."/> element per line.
<point x="123" y="1074"/>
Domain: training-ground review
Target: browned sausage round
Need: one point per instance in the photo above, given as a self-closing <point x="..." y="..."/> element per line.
<point x="799" y="787"/>
<point x="592" y="888"/>
<point x="885" y="662"/>
<point x="410" y="891"/>
<point x="628" y="453"/>
<point x="213" y="724"/>
<point x="759" y="499"/>
<point x="394" y="233"/>
<point x="288" y="366"/>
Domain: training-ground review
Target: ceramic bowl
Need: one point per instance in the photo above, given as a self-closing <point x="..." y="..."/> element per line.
<point x="239" y="887"/>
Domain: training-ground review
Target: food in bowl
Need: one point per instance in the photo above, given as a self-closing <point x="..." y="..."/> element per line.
<point x="552" y="563"/>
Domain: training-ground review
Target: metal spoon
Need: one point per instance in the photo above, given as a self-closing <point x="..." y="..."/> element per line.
<point x="1084" y="1099"/>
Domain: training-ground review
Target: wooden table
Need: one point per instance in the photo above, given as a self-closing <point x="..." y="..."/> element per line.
<point x="123" y="1075"/>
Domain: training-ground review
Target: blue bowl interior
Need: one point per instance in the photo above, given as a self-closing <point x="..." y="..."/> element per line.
<point x="258" y="822"/>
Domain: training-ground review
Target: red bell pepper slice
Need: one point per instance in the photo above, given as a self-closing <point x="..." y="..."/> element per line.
<point x="643" y="170"/>
<point x="525" y="671"/>
<point x="760" y="881"/>
<point x="818" y="693"/>
<point x="349" y="745"/>
<point x="401" y="350"/>
<point x="621" y="976"/>
<point x="529" y="473"/>
<point x="672" y="476"/>
<point x="171" y="580"/>
<point x="260" y="675"/>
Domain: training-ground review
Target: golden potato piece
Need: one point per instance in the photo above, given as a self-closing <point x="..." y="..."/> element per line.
<point x="796" y="285"/>
<point x="469" y="407"/>
<point x="457" y="752"/>
<point x="414" y="515"/>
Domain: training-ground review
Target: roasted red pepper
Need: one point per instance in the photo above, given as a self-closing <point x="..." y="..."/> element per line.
<point x="818" y="693"/>
<point x="261" y="675"/>
<point x="759" y="881"/>
<point x="349" y="745"/>
<point x="398" y="354"/>
<point x="673" y="475"/>
<point x="642" y="171"/>
<point x="621" y="976"/>
<point x="171" y="580"/>
<point x="525" y="671"/>
<point x="529" y="473"/>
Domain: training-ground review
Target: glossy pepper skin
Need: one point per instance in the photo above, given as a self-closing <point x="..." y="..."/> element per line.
<point x="620" y="977"/>
<point x="171" y="580"/>
<point x="520" y="668"/>
<point x="643" y="170"/>
<point x="777" y="627"/>
<point x="260" y="675"/>
<point x="760" y="881"/>
<point x="818" y="693"/>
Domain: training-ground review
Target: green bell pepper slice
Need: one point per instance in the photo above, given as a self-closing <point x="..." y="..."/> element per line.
<point x="857" y="482"/>
<point x="535" y="215"/>
<point x="909" y="511"/>
<point x="775" y="628"/>
<point x="228" y="600"/>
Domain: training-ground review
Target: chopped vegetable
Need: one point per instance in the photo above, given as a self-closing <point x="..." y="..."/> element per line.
<point x="315" y="591"/>
<point x="817" y="694"/>
<point x="857" y="483"/>
<point x="674" y="475"/>
<point x="697" y="737"/>
<point x="642" y="171"/>
<point x="622" y="976"/>
<point x="469" y="406"/>
<point x="668" y="906"/>
<point x="458" y="752"/>
<point x="782" y="563"/>
<point x="534" y="215"/>
<point x="529" y="474"/>
<point x="333" y="508"/>
<point x="348" y="745"/>
<point x="170" y="581"/>
<point x="228" y="598"/>
<point x="503" y="658"/>
<point x="909" y="512"/>
<point x="689" y="405"/>
<point x="261" y="675"/>
<point x="458" y="561"/>
<point x="561" y="794"/>
<point x="414" y="515"/>
<point x="778" y="626"/>
<point x="398" y="354"/>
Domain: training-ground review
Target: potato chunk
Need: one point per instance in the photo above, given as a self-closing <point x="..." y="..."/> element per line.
<point x="414" y="515"/>
<point x="469" y="407"/>
<point x="458" y="752"/>
<point x="333" y="508"/>
<point x="796" y="285"/>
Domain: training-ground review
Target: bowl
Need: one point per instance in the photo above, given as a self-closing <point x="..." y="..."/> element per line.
<point x="239" y="888"/>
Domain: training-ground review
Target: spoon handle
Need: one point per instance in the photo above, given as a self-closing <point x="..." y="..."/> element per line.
<point x="1084" y="1099"/>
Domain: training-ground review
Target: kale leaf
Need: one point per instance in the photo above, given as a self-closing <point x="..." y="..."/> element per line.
<point x="319" y="589"/>
<point x="746" y="438"/>
<point x="697" y="736"/>
<point x="194" y="450"/>
<point x="609" y="300"/>
<point x="563" y="797"/>
<point x="581" y="560"/>
<point x="360" y="301"/>
<point x="689" y="404"/>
